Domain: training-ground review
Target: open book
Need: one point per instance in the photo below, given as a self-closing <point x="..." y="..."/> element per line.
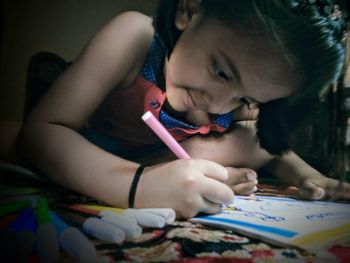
<point x="310" y="225"/>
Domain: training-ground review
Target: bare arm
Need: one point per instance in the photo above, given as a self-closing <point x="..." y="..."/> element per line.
<point x="50" y="139"/>
<point x="291" y="169"/>
<point x="240" y="148"/>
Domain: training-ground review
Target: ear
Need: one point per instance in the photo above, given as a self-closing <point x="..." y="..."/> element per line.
<point x="185" y="10"/>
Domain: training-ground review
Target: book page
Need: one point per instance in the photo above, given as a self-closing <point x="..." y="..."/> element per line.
<point x="307" y="224"/>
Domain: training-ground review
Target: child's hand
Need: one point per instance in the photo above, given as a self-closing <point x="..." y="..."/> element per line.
<point x="245" y="113"/>
<point x="242" y="181"/>
<point x="320" y="187"/>
<point x="294" y="171"/>
<point x="188" y="186"/>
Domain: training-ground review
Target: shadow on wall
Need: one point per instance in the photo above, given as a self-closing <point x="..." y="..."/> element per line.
<point x="60" y="26"/>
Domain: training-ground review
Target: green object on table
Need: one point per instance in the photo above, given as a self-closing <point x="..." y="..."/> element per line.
<point x="43" y="211"/>
<point x="14" y="206"/>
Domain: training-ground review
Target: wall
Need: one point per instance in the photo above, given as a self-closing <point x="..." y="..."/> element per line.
<point x="60" y="26"/>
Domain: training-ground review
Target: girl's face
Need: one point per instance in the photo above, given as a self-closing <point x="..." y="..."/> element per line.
<point x="215" y="69"/>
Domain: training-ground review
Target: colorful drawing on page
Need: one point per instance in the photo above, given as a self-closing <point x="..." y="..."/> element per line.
<point x="286" y="221"/>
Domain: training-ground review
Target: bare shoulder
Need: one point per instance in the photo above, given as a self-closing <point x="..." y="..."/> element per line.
<point x="112" y="59"/>
<point x="120" y="47"/>
<point x="132" y="18"/>
<point x="132" y="23"/>
<point x="131" y="30"/>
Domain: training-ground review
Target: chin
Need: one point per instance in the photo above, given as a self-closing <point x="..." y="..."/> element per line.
<point x="180" y="108"/>
<point x="177" y="106"/>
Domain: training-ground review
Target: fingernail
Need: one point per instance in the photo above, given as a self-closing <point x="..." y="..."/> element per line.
<point x="255" y="189"/>
<point x="319" y="194"/>
<point x="227" y="174"/>
<point x="252" y="197"/>
<point x="251" y="176"/>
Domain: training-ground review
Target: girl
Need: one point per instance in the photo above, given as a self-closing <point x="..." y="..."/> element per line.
<point x="200" y="67"/>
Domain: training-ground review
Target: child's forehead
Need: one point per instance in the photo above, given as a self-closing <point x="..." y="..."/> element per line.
<point x="254" y="43"/>
<point x="252" y="50"/>
<point x="261" y="57"/>
<point x="248" y="33"/>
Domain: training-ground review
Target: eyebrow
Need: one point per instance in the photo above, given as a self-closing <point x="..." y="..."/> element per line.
<point x="231" y="65"/>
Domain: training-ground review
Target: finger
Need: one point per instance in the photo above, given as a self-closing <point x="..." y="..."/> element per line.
<point x="241" y="175"/>
<point x="331" y="187"/>
<point x="337" y="189"/>
<point x="245" y="113"/>
<point x="312" y="191"/>
<point x="212" y="170"/>
<point x="210" y="207"/>
<point x="216" y="192"/>
<point x="245" y="188"/>
<point x="344" y="191"/>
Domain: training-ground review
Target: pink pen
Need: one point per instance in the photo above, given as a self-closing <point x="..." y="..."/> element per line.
<point x="164" y="135"/>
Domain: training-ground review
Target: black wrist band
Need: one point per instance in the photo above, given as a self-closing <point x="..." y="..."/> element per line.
<point x="134" y="183"/>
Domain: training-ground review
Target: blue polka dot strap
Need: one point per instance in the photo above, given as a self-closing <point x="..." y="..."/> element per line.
<point x="152" y="67"/>
<point x="224" y="120"/>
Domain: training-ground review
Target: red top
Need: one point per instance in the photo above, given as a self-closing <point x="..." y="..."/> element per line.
<point x="120" y="116"/>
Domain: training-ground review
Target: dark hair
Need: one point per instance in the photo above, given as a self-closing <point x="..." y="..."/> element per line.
<point x="164" y="24"/>
<point x="308" y="30"/>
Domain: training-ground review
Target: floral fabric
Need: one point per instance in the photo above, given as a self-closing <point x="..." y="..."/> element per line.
<point x="187" y="242"/>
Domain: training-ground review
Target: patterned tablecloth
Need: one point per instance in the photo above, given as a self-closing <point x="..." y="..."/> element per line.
<point x="183" y="241"/>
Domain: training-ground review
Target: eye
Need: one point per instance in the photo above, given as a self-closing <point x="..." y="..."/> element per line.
<point x="219" y="72"/>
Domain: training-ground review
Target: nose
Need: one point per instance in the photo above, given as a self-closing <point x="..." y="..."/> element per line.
<point x="224" y="98"/>
<point x="234" y="103"/>
<point x="225" y="106"/>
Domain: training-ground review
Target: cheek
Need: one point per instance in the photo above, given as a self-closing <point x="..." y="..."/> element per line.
<point x="188" y="67"/>
<point x="174" y="93"/>
<point x="176" y="98"/>
<point x="178" y="71"/>
<point x="225" y="97"/>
